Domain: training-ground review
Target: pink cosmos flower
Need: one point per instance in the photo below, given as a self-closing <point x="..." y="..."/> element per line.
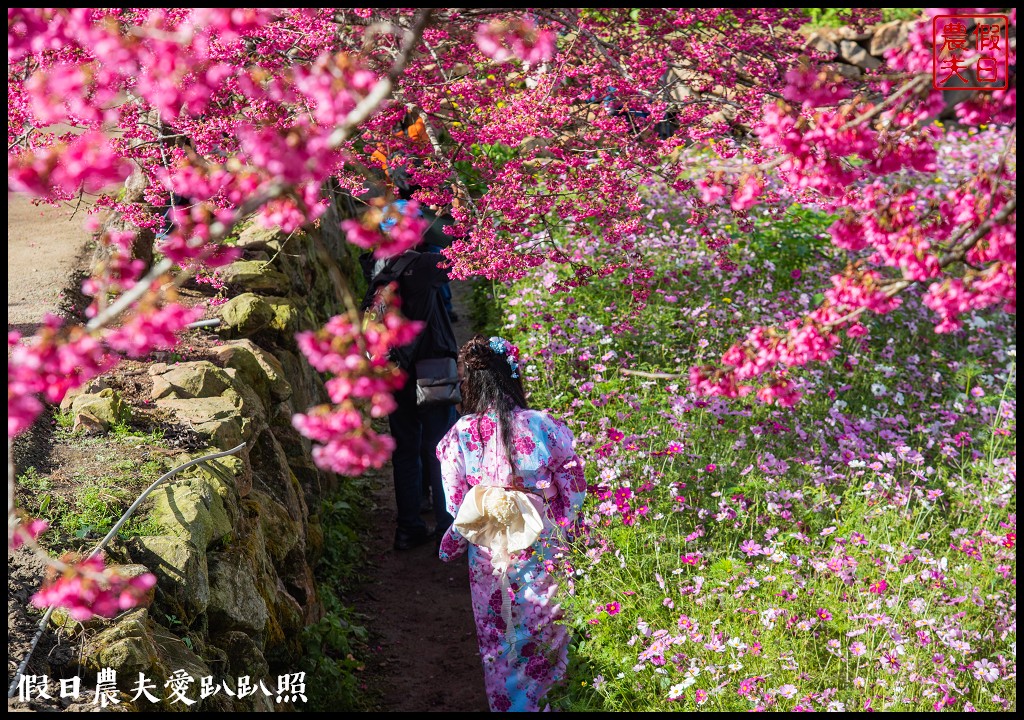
<point x="788" y="691"/>
<point x="751" y="548"/>
<point x="985" y="670"/>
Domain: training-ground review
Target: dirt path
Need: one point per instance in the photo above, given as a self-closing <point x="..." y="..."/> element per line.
<point x="45" y="247"/>
<point x="426" y="657"/>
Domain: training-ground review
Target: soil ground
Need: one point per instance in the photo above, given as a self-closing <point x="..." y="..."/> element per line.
<point x="46" y="253"/>
<point x="45" y="246"/>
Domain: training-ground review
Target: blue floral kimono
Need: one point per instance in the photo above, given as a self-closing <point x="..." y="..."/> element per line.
<point x="518" y="673"/>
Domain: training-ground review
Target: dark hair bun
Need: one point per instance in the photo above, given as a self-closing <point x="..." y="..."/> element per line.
<point x="477" y="354"/>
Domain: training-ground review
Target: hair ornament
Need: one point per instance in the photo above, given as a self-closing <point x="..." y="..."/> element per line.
<point x="503" y="347"/>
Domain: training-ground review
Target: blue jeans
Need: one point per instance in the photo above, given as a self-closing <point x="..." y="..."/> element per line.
<point x="446" y="296"/>
<point x="416" y="432"/>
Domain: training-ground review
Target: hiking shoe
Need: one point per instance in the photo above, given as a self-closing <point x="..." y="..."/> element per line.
<point x="406" y="540"/>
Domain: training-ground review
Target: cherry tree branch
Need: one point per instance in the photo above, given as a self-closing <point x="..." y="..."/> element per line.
<point x="955" y="254"/>
<point x="382" y="90"/>
<point x="653" y="375"/>
<point x="436" y="145"/>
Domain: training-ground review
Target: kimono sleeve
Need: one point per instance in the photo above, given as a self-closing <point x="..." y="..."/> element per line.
<point x="453" y="478"/>
<point x="567" y="476"/>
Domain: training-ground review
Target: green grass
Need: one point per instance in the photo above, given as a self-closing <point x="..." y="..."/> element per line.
<point x="335" y="647"/>
<point x="94" y="481"/>
<point x="838" y="17"/>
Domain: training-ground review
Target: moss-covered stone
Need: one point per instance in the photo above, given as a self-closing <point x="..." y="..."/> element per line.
<point x="245" y="659"/>
<point x="288" y="315"/>
<point x="243" y="655"/>
<point x="280" y="532"/>
<point x="225" y="419"/>
<point x="183" y="582"/>
<point x="255" y="276"/>
<point x="193" y="509"/>
<point x="93" y="387"/>
<point x="175" y="654"/>
<point x="232" y="471"/>
<point x="126" y="647"/>
<point x="245" y="315"/>
<point x="198" y="379"/>
<point x="314" y="540"/>
<point x="307" y="384"/>
<point x="253" y="404"/>
<point x="97" y="412"/>
<point x="256" y="236"/>
<point x="235" y="601"/>
<point x="272" y="475"/>
<point x="256" y="367"/>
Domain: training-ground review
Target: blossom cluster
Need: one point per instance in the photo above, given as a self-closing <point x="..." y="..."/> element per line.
<point x="88" y="588"/>
<point x="363" y="380"/>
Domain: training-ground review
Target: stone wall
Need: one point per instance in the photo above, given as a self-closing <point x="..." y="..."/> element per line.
<point x="850" y="52"/>
<point x="238" y="537"/>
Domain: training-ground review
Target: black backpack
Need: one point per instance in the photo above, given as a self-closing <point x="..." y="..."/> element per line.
<point x="390" y="272"/>
<point x="437" y="339"/>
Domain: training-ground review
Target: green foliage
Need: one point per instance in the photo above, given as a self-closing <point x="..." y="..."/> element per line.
<point x="789" y="240"/>
<point x="496" y="156"/>
<point x="329" y="657"/>
<point x="838" y="17"/>
<point x="484" y="311"/>
<point x="65" y="420"/>
<point x="33" y="481"/>
<point x="334" y="646"/>
<point x="121" y="430"/>
<point x="93" y="510"/>
<point x="82" y="499"/>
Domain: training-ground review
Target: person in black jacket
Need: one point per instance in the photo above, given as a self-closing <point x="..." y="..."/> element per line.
<point x="434" y="237"/>
<point x="417" y="430"/>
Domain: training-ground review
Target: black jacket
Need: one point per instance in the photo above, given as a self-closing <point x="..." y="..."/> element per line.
<point x="419" y="290"/>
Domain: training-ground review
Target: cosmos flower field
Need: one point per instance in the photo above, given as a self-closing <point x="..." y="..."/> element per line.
<point x="856" y="551"/>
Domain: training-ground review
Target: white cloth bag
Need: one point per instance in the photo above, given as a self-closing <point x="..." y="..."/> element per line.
<point x="504" y="521"/>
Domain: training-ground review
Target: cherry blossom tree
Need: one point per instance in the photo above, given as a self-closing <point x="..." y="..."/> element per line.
<point x="539" y="130"/>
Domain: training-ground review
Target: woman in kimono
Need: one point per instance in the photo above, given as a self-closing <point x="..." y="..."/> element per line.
<point x="500" y="442"/>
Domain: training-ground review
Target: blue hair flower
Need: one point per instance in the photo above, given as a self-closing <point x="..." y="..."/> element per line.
<point x="503" y="347"/>
<point x="391" y="211"/>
